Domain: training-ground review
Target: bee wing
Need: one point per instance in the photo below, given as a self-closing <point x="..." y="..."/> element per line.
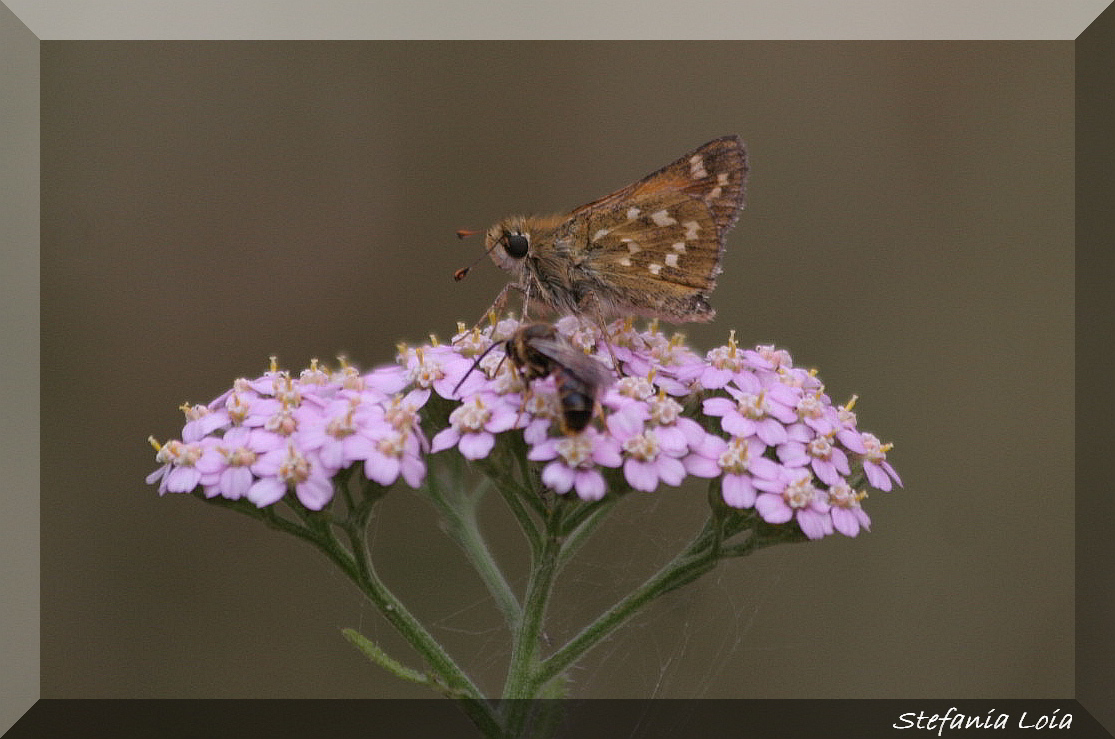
<point x="575" y="361"/>
<point x="715" y="174"/>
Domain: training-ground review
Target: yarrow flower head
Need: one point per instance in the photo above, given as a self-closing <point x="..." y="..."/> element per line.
<point x="763" y="431"/>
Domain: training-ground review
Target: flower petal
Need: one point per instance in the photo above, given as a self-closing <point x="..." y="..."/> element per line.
<point x="812" y="523"/>
<point x="737" y="491"/>
<point x="558" y="477"/>
<point x="670" y="469"/>
<point x="476" y="445"/>
<point x="640" y="475"/>
<point x="590" y="485"/>
<point x="314" y="492"/>
<point x="718" y="407"/>
<point x="701" y="466"/>
<point x="414" y="470"/>
<point x="444" y="439"/>
<point x="844" y="521"/>
<point x="773" y="508"/>
<point x="382" y="468"/>
<point x="875" y="476"/>
<point x="543" y="451"/>
<point x="266" y="491"/>
<point x="185" y="479"/>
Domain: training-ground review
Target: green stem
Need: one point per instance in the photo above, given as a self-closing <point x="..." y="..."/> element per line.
<point x="583" y="523"/>
<point x="456" y="683"/>
<point x="458" y="511"/>
<point x="357" y="566"/>
<point x="517" y="496"/>
<point x="522" y="683"/>
<point x="524" y="652"/>
<point x="698" y="558"/>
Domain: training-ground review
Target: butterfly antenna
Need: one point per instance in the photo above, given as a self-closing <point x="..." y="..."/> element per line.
<point x="464" y="233"/>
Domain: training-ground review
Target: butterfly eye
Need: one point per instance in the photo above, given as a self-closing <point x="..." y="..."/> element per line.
<point x="516" y="245"/>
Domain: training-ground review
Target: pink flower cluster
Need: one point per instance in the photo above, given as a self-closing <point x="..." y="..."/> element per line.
<point x="765" y="428"/>
<point x="276" y="434"/>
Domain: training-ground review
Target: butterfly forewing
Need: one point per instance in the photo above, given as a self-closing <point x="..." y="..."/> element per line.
<point x="715" y="173"/>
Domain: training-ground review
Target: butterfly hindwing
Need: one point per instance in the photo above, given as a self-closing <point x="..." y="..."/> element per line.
<point x="671" y="238"/>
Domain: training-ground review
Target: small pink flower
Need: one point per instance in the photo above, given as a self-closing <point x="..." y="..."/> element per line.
<point x="793" y="495"/>
<point x="394" y="454"/>
<point x="541" y="409"/>
<point x="201" y="421"/>
<point x="281" y="469"/>
<point x="843" y="420"/>
<point x="723" y="364"/>
<point x="875" y="465"/>
<point x="763" y="413"/>
<point x="812" y="409"/>
<point x="179" y="473"/>
<point x="437" y="367"/>
<point x="829" y="462"/>
<point x="646" y="463"/>
<point x="766" y="357"/>
<point x="676" y="433"/>
<point x="847" y="515"/>
<point x="574" y="462"/>
<point x="226" y="465"/>
<point x="629" y="412"/>
<point x="335" y="437"/>
<point x="473" y="424"/>
<point x="241" y="407"/>
<point x="741" y="461"/>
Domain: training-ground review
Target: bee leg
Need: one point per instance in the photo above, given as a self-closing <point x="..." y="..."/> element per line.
<point x="527" y="390"/>
<point x="607" y="342"/>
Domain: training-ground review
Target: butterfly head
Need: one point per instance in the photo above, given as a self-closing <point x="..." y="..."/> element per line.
<point x="508" y="242"/>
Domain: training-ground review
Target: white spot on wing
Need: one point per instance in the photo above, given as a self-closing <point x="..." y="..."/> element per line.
<point x="722" y="178"/>
<point x="633" y="213"/>
<point x="625" y="262"/>
<point x="654" y="268"/>
<point x="600" y="234"/>
<point x="697" y="167"/>
<point x="679" y="247"/>
<point x="633" y="247"/>
<point x="715" y="192"/>
<point x="662" y="218"/>
<point x="672" y="260"/>
<point x="691" y="229"/>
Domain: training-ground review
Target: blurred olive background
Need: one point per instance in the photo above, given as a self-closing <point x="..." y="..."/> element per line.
<point x="909" y="232"/>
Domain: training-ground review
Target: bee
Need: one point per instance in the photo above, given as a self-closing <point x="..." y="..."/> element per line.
<point x="651" y="249"/>
<point x="537" y="350"/>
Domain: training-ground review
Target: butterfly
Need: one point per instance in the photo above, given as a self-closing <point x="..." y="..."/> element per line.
<point x="652" y="249"/>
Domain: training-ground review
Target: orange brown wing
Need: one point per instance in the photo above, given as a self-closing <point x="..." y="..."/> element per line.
<point x="715" y="173"/>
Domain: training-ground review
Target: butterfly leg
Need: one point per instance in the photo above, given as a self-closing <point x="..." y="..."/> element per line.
<point x="590" y="306"/>
<point x="497" y="306"/>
